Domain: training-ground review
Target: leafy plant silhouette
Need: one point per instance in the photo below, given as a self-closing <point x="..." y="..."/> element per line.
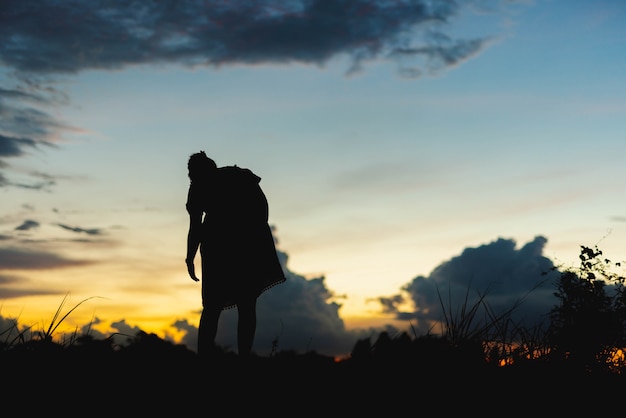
<point x="587" y="328"/>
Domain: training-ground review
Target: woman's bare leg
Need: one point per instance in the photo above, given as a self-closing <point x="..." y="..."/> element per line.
<point x="246" y="326"/>
<point x="207" y="330"/>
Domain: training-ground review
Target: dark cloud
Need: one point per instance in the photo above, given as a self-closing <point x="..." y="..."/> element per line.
<point x="41" y="181"/>
<point x="48" y="37"/>
<point x="41" y="185"/>
<point x="22" y="259"/>
<point x="18" y="292"/>
<point x="7" y="280"/>
<point x="448" y="54"/>
<point x="504" y="275"/>
<point x="17" y="286"/>
<point x="90" y="231"/>
<point x="25" y="128"/>
<point x="27" y="225"/>
<point x="21" y="95"/>
<point x="12" y="147"/>
<point x="125" y="329"/>
<point x="29" y="126"/>
<point x="190" y="333"/>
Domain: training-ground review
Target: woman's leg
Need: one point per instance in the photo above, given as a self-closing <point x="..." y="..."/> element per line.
<point x="211" y="307"/>
<point x="246" y="326"/>
<point x="207" y="329"/>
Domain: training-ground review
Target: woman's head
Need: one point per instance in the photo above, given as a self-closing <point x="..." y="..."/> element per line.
<point x="199" y="166"/>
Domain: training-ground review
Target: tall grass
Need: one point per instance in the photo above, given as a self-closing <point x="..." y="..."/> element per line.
<point x="503" y="341"/>
<point x="13" y="335"/>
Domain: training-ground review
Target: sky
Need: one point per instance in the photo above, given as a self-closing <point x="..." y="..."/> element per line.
<point x="407" y="149"/>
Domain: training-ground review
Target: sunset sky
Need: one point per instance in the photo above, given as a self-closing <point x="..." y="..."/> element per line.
<point x="404" y="146"/>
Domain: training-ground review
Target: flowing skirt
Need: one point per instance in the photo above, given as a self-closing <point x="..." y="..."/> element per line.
<point x="237" y="262"/>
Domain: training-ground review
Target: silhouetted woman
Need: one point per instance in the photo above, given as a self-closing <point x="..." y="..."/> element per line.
<point x="228" y="221"/>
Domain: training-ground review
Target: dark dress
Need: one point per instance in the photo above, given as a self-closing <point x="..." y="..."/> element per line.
<point x="237" y="247"/>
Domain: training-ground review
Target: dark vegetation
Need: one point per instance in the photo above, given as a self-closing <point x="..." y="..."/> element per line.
<point x="579" y="355"/>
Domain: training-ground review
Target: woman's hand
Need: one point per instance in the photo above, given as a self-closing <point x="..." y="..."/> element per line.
<point x="191" y="268"/>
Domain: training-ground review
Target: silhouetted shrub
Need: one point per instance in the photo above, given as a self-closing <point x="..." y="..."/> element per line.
<point x="587" y="327"/>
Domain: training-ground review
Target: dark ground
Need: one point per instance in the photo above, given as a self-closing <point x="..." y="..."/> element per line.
<point x="176" y="382"/>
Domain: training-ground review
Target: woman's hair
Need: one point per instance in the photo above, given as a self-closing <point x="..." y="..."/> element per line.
<point x="200" y="165"/>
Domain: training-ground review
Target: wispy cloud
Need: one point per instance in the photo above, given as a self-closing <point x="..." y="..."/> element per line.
<point x="27" y="225"/>
<point x="89" y="231"/>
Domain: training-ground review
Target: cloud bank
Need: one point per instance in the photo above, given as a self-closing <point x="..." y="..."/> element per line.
<point x="499" y="273"/>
